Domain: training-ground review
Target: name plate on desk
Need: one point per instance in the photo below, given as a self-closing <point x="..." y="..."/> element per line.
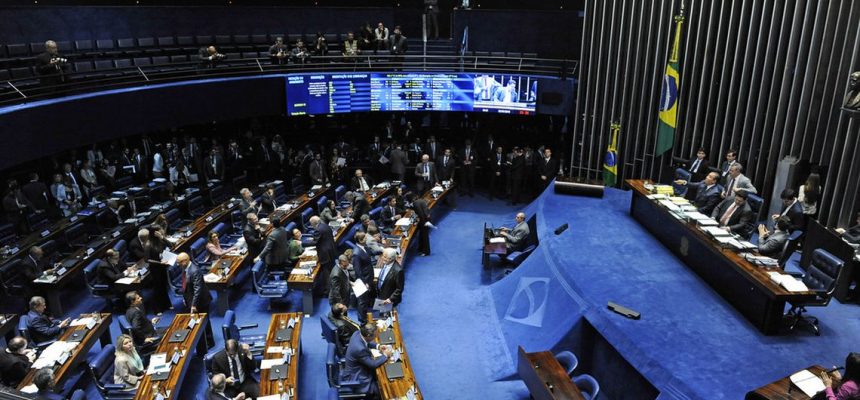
<point x="101" y="205"/>
<point x="73" y="218"/>
<point x="115" y="234"/>
<point x="46" y="232"/>
<point x="14" y="250"/>
<point x="209" y="219"/>
<point x="60" y="271"/>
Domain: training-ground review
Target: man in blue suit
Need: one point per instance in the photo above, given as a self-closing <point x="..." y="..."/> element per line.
<point x="363" y="270"/>
<point x="707" y="192"/>
<point x="792" y="210"/>
<point x="42" y="327"/>
<point x="360" y="363"/>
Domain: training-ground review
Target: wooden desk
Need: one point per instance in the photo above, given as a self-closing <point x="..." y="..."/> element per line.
<point x="202" y="225"/>
<point x="746" y="286"/>
<point x="782" y="389"/>
<point x="76" y="262"/>
<point x="100" y="332"/>
<point x="395" y="389"/>
<point x="7" y="328"/>
<point x="407" y="233"/>
<point x="139" y="282"/>
<point x="268" y="387"/>
<point x="52" y="231"/>
<point x="545" y="377"/>
<point x="234" y="265"/>
<point x="172" y="385"/>
<point x="299" y="204"/>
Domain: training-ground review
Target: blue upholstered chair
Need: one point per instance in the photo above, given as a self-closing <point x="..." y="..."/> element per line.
<point x="791" y="246"/>
<point x="587" y="385"/>
<point x="265" y="285"/>
<point x="78" y="395"/>
<point x="568" y="361"/>
<point x="514" y="258"/>
<point x="198" y="252"/>
<point x="756" y="203"/>
<point x="24" y="331"/>
<point x="101" y="371"/>
<point x="345" y="389"/>
<point x="306" y="218"/>
<point x="375" y="213"/>
<point x="321" y="203"/>
<point x="97" y="289"/>
<point x="820" y="278"/>
<point x="338" y="193"/>
<point x="195" y="207"/>
<point x="680" y="173"/>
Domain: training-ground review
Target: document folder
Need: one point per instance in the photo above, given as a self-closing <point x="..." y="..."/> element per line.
<point x="394" y="371"/>
<point x="386" y="337"/>
<point x="284" y="335"/>
<point x="178" y="336"/>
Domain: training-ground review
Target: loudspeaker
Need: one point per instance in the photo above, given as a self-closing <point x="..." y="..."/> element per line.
<point x="560" y="229"/>
<point x="555" y="97"/>
<point x="578" y="188"/>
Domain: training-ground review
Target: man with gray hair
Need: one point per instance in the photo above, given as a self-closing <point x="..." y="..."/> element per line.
<point x="217" y="385"/>
<point x="737" y="181"/>
<point x="515" y="239"/>
<point x="15" y="361"/>
<point x="42" y="327"/>
<point x="389" y="286"/>
<point x="44" y="381"/>
<point x="51" y="66"/>
<point x="137" y="245"/>
<point x="339" y="285"/>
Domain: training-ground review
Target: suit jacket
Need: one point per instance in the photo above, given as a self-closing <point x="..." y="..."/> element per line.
<point x="362" y="265"/>
<point x="422" y="211"/>
<point x="13" y="368"/>
<point x="516" y="239"/>
<point x="433" y="150"/>
<point x="32" y="269"/>
<point x="246" y="208"/>
<point x="267" y="203"/>
<point x="773" y="244"/>
<point x="706" y="199"/>
<point x="277" y="247"/>
<point x="795" y="215"/>
<point x="141" y="326"/>
<point x="398" y="159"/>
<point x="431" y="167"/>
<point x="196" y="294"/>
<point x="125" y="372"/>
<point x="107" y="273"/>
<point x="472" y="158"/>
<point x="741" y="221"/>
<point x="42" y="328"/>
<point x="549" y="169"/>
<point x="701" y="170"/>
<point x="339" y="287"/>
<point x="253" y="238"/>
<point x="326" y="248"/>
<point x="356" y="185"/>
<point x="446" y="171"/>
<point x="343" y="330"/>
<point x="49" y="74"/>
<point x="360" y="365"/>
<point x="317" y="172"/>
<point x="135" y="248"/>
<point x="220" y="365"/>
<point x="387" y="215"/>
<point x="216" y="171"/>
<point x="741" y="182"/>
<point x="37" y="194"/>
<point x="391" y="286"/>
<point x="397" y="46"/>
<point x="212" y="395"/>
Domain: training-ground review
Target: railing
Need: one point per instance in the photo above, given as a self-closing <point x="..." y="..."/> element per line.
<point x="28" y="89"/>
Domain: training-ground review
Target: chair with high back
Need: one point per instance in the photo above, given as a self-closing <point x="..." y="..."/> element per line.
<point x="568" y="361"/>
<point x="820" y="277"/>
<point x="101" y="371"/>
<point x="587" y="385"/>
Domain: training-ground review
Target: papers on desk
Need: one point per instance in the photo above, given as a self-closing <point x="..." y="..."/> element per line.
<point x="381" y="306"/>
<point x="497" y="240"/>
<point x="657" y="196"/>
<point x="307" y="264"/>
<point x="788" y="282"/>
<point x="715" y="231"/>
<point x="403" y="222"/>
<point x="158" y="363"/>
<point x="697" y="216"/>
<point x="89" y="322"/>
<point x="669" y="204"/>
<point x="314" y="188"/>
<point x="46" y="279"/>
<point x="126" y="281"/>
<point x="679" y="200"/>
<point x="310" y="251"/>
<point x="359" y="288"/>
<point x="271" y="362"/>
<point x="30" y="389"/>
<point x="210" y="277"/>
<point x="168" y="257"/>
<point x="285" y="396"/>
<point x="807" y="382"/>
<point x="760" y="260"/>
<point x="375" y="353"/>
<point x="56" y="353"/>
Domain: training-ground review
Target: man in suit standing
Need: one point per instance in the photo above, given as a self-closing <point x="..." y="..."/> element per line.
<point x="731" y="159"/>
<point x="195" y="293"/>
<point x="771" y="244"/>
<point x="397" y="42"/>
<point x="496" y="163"/>
<point x="15" y="204"/>
<point x="317" y="171"/>
<point x="698" y="166"/>
<point x="422" y="211"/>
<point x="389" y="287"/>
<point x="735" y="214"/>
<point x="363" y="268"/>
<point x="791" y="209"/>
<point x="237" y="364"/>
<point x="36" y="193"/>
<point x="339" y="287"/>
<point x="515" y="239"/>
<point x="446" y="164"/>
<point x="737" y="182"/>
<point x="275" y="252"/>
<point x="416" y="149"/>
<point x="326" y="249"/>
<point x="247" y="204"/>
<point x="253" y="234"/>
<point x="360" y="364"/>
<point x="432" y="148"/>
<point x="360" y="182"/>
<point x="425" y="172"/>
<point x="143" y="330"/>
<point x="42" y="327"/>
<point x="268" y="201"/>
<point x="547" y="168"/>
<point x="707" y="192"/>
<point x="214" y="166"/>
<point x="467" y="169"/>
<point x="217" y="388"/>
<point x="398" y="159"/>
<point x="15" y="361"/>
<point x="51" y="66"/>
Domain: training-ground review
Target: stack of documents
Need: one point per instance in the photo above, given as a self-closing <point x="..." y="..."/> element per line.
<point x="314" y="188"/>
<point x="788" y="282"/>
<point x="669" y="204"/>
<point x="760" y="260"/>
<point x="497" y="240"/>
<point x="158" y="363"/>
<point x="403" y="222"/>
<point x="715" y="231"/>
<point x="210" y="277"/>
<point x="56" y="353"/>
<point x="310" y="252"/>
<point x="657" y="196"/>
<point x="808" y="383"/>
<point x="128" y="280"/>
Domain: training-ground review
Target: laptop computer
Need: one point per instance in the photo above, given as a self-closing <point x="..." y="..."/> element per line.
<point x="394" y="370"/>
<point x="178" y="336"/>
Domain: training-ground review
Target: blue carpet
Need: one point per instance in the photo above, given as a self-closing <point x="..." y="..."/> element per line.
<point x="462" y="327"/>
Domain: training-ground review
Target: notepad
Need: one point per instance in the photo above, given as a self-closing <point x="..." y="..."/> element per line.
<point x="497" y="240"/>
<point x="808" y="383"/>
<point x="269" y="363"/>
<point x="359" y="288"/>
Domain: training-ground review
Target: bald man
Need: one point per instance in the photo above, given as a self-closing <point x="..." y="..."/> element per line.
<point x="194" y="291"/>
<point x="208" y="58"/>
<point x="515" y="239"/>
<point x="51" y="66"/>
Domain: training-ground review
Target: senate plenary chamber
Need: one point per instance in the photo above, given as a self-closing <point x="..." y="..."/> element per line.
<point x="429" y="199"/>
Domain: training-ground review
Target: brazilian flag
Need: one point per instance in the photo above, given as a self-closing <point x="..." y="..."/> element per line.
<point x="669" y="94"/>
<point x="610" y="161"/>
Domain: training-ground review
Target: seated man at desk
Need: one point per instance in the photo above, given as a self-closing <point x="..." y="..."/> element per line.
<point x="707" y="192"/>
<point x="15" y="361"/>
<point x="217" y="386"/>
<point x="44" y="381"/>
<point x="852" y="234"/>
<point x="237" y="365"/>
<point x="735" y="214"/>
<point x="360" y="182"/>
<point x="35" y="264"/>
<point x="344" y="327"/>
<point x="771" y="244"/>
<point x="360" y="364"/>
<point x="390" y="214"/>
<point x="791" y="209"/>
<point x="515" y="239"/>
<point x="109" y="269"/>
<point x="42" y="327"/>
<point x="143" y="330"/>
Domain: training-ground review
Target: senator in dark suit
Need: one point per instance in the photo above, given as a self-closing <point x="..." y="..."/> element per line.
<point x="137" y="246"/>
<point x="344" y="327"/>
<point x="363" y="267"/>
<point x="36" y="193"/>
<point x="268" y="200"/>
<point x="698" y="166"/>
<point x="707" y="192"/>
<point x="195" y="293"/>
<point x="15" y="361"/>
<point x="276" y="251"/>
<point x="468" y="160"/>
<point x="143" y="331"/>
<point x="791" y="209"/>
<point x="547" y="167"/>
<point x="326" y="248"/>
<point x="772" y="244"/>
<point x="237" y="364"/>
<point x="247" y="204"/>
<point x="446" y="165"/>
<point x="109" y="269"/>
<point x="339" y="288"/>
<point x="43" y="328"/>
<point x="391" y="278"/>
<point x="359" y="364"/>
<point x="390" y="213"/>
<point x="34" y="265"/>
<point x="422" y="211"/>
<point x="360" y="182"/>
<point x="253" y="235"/>
<point x="425" y="174"/>
<point x="735" y="214"/>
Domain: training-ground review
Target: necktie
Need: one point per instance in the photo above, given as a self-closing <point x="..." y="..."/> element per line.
<point x="467" y="153"/>
<point x="729" y="188"/>
<point x="382" y="275"/>
<point x="426" y="172"/>
<point x="725" y="219"/>
<point x="234" y="369"/>
<point x="446" y="161"/>
<point x="498" y="159"/>
<point x="695" y="166"/>
<point x="184" y="281"/>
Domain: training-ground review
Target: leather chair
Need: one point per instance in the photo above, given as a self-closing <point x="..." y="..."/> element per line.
<point x="195" y="207"/>
<point x="24" y="331"/>
<point x="820" y="277"/>
<point x="265" y="284"/>
<point x="587" y="385"/>
<point x="791" y="245"/>
<point x="330" y="335"/>
<point x="101" y="371"/>
<point x="97" y="289"/>
<point x="374" y="214"/>
<point x="514" y="258"/>
<point x="345" y="389"/>
<point x="306" y="217"/>
<point x="230" y="330"/>
<point x="199" y="253"/>
<point x="321" y="204"/>
<point x="338" y="194"/>
<point x="756" y="202"/>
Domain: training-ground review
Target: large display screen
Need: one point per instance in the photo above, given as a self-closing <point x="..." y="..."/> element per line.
<point x="357" y="92"/>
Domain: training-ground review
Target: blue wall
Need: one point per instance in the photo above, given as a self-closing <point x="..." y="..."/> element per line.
<point x="554" y="34"/>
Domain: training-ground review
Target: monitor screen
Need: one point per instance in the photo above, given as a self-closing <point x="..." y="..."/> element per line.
<point x="509" y="94"/>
